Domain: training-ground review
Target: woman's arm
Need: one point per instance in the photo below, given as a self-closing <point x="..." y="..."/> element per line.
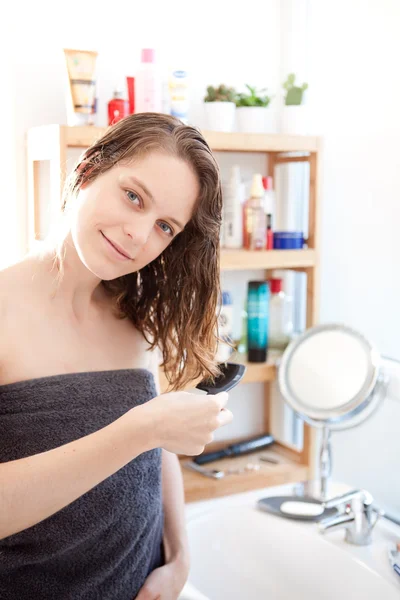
<point x="36" y="487"/>
<point x="175" y="536"/>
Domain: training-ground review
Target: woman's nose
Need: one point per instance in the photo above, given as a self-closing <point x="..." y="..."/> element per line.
<point x="139" y="230"/>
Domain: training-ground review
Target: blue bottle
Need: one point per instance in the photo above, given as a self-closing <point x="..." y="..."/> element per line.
<point x="257" y="320"/>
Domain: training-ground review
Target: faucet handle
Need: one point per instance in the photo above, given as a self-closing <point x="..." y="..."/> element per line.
<point x="358" y="495"/>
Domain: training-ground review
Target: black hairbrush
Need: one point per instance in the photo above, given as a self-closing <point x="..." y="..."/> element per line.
<point x="232" y="373"/>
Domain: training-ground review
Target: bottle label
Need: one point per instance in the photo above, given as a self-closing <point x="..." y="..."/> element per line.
<point x="257" y="319"/>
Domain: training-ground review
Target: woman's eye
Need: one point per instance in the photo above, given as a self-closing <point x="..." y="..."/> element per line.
<point x="134" y="198"/>
<point x="168" y="228"/>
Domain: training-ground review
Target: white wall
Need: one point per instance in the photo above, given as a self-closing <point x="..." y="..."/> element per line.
<point x="354" y="48"/>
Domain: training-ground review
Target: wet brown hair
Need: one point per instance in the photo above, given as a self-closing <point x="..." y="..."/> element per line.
<point x="173" y="300"/>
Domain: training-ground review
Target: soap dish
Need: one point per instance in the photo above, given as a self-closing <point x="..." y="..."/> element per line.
<point x="300" y="508"/>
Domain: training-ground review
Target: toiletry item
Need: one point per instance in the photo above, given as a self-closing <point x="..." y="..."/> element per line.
<point x="179" y="95"/>
<point x="148" y="84"/>
<point x="117" y="108"/>
<point x="242" y="346"/>
<point x="130" y="84"/>
<point x="165" y="97"/>
<point x="269" y="207"/>
<point x="257" y="320"/>
<point x="81" y="65"/>
<point x="269" y="196"/>
<point x="270" y="234"/>
<point x="288" y="240"/>
<point x="238" y="449"/>
<point x="280" y="317"/>
<point x="213" y="473"/>
<point x="269" y="459"/>
<point x="246" y="217"/>
<point x="225" y="327"/>
<point x="258" y="222"/>
<point x="394" y="557"/>
<point x="233" y="196"/>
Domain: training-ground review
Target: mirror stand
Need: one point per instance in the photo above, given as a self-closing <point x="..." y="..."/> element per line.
<point x="325" y="462"/>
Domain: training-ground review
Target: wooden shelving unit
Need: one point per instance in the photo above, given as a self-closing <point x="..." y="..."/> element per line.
<point x="242" y="260"/>
<point x="51" y="143"/>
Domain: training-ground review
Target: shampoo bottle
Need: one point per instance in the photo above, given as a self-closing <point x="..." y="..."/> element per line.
<point x="257" y="320"/>
<point x="233" y="197"/>
<point x="148" y="84"/>
<point x="258" y="223"/>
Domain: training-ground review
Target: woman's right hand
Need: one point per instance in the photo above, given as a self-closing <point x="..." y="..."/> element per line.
<point x="184" y="423"/>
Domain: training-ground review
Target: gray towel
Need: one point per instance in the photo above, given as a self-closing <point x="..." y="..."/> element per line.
<point x="103" y="545"/>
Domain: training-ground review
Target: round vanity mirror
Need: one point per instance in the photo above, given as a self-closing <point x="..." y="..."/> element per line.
<point x="333" y="379"/>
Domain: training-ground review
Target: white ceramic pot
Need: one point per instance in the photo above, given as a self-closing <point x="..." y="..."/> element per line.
<point x="220" y="116"/>
<point x="294" y="120"/>
<point x="254" y="119"/>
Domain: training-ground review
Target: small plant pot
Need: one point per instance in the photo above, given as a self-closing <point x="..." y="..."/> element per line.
<point x="294" y="120"/>
<point x="220" y="116"/>
<point x="254" y="119"/>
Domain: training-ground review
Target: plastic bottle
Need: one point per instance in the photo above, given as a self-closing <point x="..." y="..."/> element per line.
<point x="242" y="346"/>
<point x="269" y="207"/>
<point x="256" y="221"/>
<point x="179" y="95"/>
<point x="118" y="107"/>
<point x="225" y="327"/>
<point x="257" y="320"/>
<point x="269" y="197"/>
<point x="280" y="317"/>
<point x="148" y="84"/>
<point x="233" y="199"/>
<point x="270" y="234"/>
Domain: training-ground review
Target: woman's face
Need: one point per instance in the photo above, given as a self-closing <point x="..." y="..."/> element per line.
<point x="136" y="209"/>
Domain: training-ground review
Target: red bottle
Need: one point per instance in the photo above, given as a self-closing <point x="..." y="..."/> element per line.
<point x="118" y="108"/>
<point x="270" y="234"/>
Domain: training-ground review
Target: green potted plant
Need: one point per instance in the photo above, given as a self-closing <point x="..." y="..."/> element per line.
<point x="253" y="114"/>
<point x="219" y="107"/>
<point x="294" y="115"/>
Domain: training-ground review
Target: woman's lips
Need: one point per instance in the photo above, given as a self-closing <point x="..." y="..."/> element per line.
<point x="117" y="250"/>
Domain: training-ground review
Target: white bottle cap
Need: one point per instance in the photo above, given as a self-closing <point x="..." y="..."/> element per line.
<point x="235" y="175"/>
<point x="257" y="188"/>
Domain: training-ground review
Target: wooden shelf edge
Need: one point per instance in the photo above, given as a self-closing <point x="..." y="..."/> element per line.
<point x="243" y="260"/>
<point x="260" y="142"/>
<point x="255" y="372"/>
<point x="198" y="487"/>
<point x="84" y="136"/>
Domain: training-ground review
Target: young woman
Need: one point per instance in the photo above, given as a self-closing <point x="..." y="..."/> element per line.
<point x="91" y="495"/>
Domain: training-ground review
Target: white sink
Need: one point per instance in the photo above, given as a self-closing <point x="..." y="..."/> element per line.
<point x="241" y="553"/>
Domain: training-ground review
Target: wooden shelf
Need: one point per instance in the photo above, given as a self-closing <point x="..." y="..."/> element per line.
<point x="243" y="260"/>
<point x="259" y="142"/>
<point x="82" y="137"/>
<point x="255" y="372"/>
<point x="198" y="487"/>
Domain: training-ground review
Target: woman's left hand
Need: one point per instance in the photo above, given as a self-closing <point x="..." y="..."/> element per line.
<point x="164" y="583"/>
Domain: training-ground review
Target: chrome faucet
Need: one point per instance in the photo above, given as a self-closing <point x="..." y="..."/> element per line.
<point x="357" y="516"/>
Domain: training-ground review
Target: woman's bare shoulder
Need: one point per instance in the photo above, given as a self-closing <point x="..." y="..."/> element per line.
<point x="14" y="279"/>
<point x="15" y="284"/>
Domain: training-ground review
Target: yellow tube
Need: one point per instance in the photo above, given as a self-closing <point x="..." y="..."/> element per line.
<point x="82" y="85"/>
